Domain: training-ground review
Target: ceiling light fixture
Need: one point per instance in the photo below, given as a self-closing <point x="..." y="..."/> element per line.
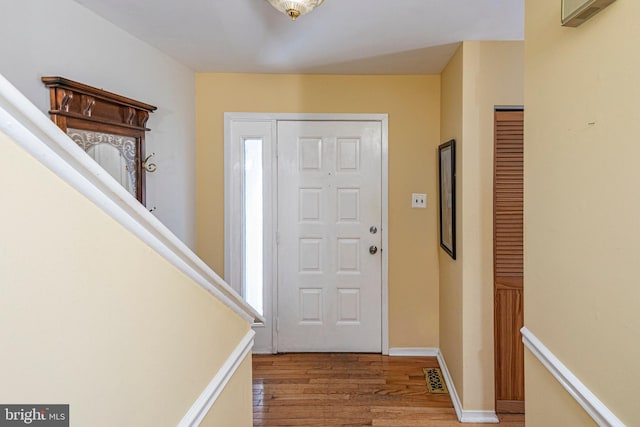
<point x="295" y="8"/>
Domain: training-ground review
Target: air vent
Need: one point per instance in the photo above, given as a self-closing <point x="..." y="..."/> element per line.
<point x="588" y="13"/>
<point x="574" y="15"/>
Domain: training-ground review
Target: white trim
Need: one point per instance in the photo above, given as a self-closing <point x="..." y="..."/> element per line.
<point x="483" y="417"/>
<point x="274" y="240"/>
<point x="41" y="138"/>
<point x="236" y="133"/>
<point x="591" y="404"/>
<point x="305" y="116"/>
<point x="413" y="351"/>
<point x="455" y="399"/>
<point x="205" y="401"/>
<point x="463" y="415"/>
<point x="229" y="253"/>
<point x="231" y="267"/>
<point x="385" y="233"/>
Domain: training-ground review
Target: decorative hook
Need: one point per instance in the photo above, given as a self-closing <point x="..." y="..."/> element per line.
<point x="149" y="167"/>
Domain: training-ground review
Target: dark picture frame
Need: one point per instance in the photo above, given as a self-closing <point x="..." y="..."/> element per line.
<point x="447" y="196"/>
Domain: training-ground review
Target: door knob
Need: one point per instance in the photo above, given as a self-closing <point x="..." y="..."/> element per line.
<point x="373" y="249"/>
<point x="373" y="229"/>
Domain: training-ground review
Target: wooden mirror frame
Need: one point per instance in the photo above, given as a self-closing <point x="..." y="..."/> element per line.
<point x="78" y="106"/>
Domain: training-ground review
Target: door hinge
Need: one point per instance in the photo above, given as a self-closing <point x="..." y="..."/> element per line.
<point x="277" y="237"/>
<point x="278" y="324"/>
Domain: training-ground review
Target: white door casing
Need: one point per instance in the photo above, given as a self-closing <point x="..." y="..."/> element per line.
<point x="237" y="131"/>
<point x="264" y="125"/>
<point x="329" y="222"/>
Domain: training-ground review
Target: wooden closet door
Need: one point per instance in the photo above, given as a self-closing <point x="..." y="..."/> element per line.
<point x="508" y="205"/>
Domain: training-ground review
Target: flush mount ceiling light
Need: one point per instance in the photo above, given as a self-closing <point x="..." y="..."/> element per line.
<point x="295" y="8"/>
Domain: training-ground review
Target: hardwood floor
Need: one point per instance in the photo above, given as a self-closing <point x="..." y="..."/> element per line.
<point x="341" y="389"/>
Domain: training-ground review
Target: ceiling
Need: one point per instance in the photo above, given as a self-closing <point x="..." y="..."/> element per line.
<point x="340" y="37"/>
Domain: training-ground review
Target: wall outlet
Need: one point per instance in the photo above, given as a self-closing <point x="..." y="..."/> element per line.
<point x="418" y="200"/>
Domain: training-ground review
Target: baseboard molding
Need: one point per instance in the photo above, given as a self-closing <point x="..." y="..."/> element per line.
<point x="589" y="402"/>
<point x="464" y="416"/>
<point x="203" y="404"/>
<point x="413" y="351"/>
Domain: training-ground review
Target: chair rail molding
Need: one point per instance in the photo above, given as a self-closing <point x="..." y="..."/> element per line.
<point x="205" y="401"/>
<point x="585" y="398"/>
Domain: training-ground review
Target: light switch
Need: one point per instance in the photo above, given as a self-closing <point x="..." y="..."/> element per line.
<point x="418" y="200"/>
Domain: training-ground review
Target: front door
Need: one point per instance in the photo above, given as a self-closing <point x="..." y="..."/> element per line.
<point x="329" y="236"/>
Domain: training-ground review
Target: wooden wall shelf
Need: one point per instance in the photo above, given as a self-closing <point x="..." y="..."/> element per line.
<point x="104" y="116"/>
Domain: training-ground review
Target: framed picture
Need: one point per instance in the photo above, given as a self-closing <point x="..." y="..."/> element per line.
<point x="447" y="174"/>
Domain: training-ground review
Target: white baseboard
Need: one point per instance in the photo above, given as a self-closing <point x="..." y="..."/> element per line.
<point x="464" y="416"/>
<point x="205" y="401"/>
<point x="484" y="417"/>
<point x="262" y="351"/>
<point x="591" y="404"/>
<point x="413" y="351"/>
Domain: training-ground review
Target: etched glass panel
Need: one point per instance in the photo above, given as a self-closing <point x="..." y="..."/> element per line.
<point x="115" y="153"/>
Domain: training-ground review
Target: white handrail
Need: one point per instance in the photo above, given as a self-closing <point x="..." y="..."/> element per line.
<point x="40" y="137"/>
<point x="585" y="398"/>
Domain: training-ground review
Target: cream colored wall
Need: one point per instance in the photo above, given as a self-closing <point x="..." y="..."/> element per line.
<point x="93" y="317"/>
<point x="581" y="200"/>
<point x="557" y="408"/>
<point x="234" y="406"/>
<point x="481" y="76"/>
<point x="412" y="103"/>
<point x="451" y="336"/>
<point x="62" y="37"/>
<point x="493" y="76"/>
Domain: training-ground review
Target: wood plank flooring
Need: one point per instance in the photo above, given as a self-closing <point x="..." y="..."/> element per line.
<point x="341" y="389"/>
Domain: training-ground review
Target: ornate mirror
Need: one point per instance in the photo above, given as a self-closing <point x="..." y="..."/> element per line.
<point x="108" y="127"/>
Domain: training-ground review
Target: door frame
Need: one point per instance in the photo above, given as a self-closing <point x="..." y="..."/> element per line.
<point x="233" y="213"/>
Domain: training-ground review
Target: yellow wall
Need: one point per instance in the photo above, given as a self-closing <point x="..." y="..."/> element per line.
<point x="493" y="76"/>
<point x="234" y="406"/>
<point x="412" y="103"/>
<point x="557" y="408"/>
<point x="481" y="76"/>
<point x="451" y="270"/>
<point x="582" y="206"/>
<point x="91" y="316"/>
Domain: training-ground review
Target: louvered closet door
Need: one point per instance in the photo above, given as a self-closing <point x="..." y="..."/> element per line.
<point x="508" y="261"/>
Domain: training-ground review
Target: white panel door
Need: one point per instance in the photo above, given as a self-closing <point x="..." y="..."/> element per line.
<point x="329" y="233"/>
